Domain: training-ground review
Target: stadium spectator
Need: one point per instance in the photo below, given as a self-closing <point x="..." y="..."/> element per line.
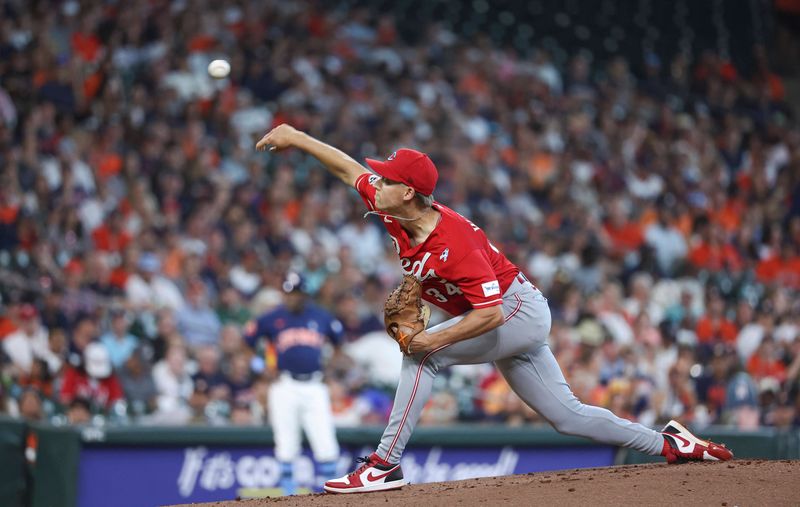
<point x="356" y="318"/>
<point x="666" y="240"/>
<point x="30" y="343"/>
<point x="174" y="387"/>
<point x="239" y="379"/>
<point x="94" y="381"/>
<point x="715" y="327"/>
<point x="51" y="315"/>
<point x="79" y="412"/>
<point x="147" y="290"/>
<point x="136" y="378"/>
<point x="197" y="321"/>
<point x="209" y="382"/>
<point x="231" y="308"/>
<point x="119" y="342"/>
<point x="30" y="405"/>
<point x="77" y="299"/>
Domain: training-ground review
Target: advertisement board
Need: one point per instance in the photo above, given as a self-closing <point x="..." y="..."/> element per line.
<point x="136" y="476"/>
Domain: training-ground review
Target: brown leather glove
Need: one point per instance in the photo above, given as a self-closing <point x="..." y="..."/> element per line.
<point x="404" y="314"/>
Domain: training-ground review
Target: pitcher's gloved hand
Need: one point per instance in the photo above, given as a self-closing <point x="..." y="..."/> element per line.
<point x="404" y="314"/>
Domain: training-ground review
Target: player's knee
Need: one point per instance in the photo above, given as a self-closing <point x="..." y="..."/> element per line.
<point x="570" y="422"/>
<point x="562" y="424"/>
<point x="568" y="427"/>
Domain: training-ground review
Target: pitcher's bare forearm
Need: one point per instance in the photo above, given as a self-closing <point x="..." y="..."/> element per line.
<point x="339" y="163"/>
<point x="336" y="161"/>
<point x="477" y="322"/>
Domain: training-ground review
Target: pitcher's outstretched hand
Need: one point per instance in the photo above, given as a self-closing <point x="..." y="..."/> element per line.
<point x="277" y="139"/>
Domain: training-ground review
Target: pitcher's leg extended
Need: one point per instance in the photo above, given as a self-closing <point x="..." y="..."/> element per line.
<point x="416" y="380"/>
<point x="537" y="379"/>
<point x="381" y="470"/>
<point x="413" y="391"/>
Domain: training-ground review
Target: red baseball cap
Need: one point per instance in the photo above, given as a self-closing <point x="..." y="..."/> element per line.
<point x="411" y="167"/>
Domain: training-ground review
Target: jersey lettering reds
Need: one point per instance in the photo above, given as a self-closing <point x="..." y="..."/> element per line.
<point x="458" y="267"/>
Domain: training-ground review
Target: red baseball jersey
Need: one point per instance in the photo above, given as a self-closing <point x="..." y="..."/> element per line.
<point x="458" y="266"/>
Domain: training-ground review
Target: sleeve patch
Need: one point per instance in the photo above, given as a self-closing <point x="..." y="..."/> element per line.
<point x="491" y="288"/>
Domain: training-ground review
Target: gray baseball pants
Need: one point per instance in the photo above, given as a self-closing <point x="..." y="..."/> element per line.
<point x="520" y="351"/>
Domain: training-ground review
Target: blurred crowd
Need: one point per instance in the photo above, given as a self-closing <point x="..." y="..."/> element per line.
<point x="656" y="203"/>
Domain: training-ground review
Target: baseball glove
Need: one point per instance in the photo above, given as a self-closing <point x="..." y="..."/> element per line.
<point x="404" y="314"/>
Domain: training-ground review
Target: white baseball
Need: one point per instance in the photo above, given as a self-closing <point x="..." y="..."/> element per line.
<point x="219" y="69"/>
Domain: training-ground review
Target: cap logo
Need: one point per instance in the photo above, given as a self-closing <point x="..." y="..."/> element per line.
<point x="392" y="156"/>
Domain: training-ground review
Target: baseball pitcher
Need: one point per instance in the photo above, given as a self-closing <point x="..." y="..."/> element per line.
<point x="498" y="316"/>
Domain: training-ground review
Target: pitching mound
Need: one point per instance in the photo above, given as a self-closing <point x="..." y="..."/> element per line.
<point x="745" y="482"/>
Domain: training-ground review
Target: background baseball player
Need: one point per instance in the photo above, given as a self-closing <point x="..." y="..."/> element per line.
<point x="499" y="317"/>
<point x="299" y="399"/>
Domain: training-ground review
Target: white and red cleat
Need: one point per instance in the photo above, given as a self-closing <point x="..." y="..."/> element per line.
<point x="680" y="446"/>
<point x="374" y="475"/>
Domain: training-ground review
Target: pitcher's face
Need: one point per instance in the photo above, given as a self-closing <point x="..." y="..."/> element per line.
<point x="389" y="194"/>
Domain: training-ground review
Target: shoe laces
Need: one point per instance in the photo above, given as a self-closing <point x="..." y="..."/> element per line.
<point x="366" y="462"/>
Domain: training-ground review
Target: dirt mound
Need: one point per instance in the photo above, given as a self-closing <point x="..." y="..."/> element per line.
<point x="744" y="482"/>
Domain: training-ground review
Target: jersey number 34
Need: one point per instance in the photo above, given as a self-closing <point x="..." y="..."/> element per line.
<point x="450" y="288"/>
